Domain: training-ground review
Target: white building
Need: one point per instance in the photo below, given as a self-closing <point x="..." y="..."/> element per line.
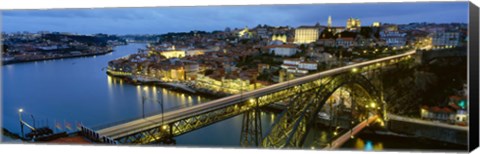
<point x="308" y="66"/>
<point x="292" y="61"/>
<point x="393" y="38"/>
<point x="306" y="34"/>
<point x="297" y="71"/>
<point x="445" y="39"/>
<point x="298" y="66"/>
<point x="283" y="50"/>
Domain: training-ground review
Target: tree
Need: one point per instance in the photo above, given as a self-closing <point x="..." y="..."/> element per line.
<point x="326" y="34"/>
<point x="366" y="32"/>
<point x="4" y="48"/>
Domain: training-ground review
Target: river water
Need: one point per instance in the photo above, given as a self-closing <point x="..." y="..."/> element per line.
<point x="60" y="93"/>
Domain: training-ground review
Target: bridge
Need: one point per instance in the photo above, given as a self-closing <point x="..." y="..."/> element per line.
<point x="305" y="97"/>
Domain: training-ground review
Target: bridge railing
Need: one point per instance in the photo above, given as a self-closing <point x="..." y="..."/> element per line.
<point x="109" y="124"/>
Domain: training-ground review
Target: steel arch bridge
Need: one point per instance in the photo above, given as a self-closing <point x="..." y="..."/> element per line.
<point x="306" y="96"/>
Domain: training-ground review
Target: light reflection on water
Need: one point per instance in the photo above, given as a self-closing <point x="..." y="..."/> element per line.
<point x="368" y="145"/>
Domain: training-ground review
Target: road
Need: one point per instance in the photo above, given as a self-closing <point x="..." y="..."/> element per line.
<point x="140" y="125"/>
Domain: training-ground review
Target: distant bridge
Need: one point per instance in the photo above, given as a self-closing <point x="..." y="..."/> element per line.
<point x="306" y="96"/>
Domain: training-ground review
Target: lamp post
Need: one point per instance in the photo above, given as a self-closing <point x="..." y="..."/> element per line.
<point x="143" y="103"/>
<point x="143" y="106"/>
<point x="161" y="105"/>
<point x="20" y="120"/>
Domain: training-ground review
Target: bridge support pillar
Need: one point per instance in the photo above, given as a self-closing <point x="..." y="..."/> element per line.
<point x="251" y="135"/>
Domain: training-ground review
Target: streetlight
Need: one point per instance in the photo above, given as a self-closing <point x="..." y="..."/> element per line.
<point x="354" y="70"/>
<point x="20" y="120"/>
<point x="161" y="105"/>
<point x="143" y="102"/>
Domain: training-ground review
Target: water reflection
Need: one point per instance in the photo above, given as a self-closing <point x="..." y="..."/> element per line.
<point x="367" y="145"/>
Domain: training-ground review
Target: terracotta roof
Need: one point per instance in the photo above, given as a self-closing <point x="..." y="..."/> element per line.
<point x="454" y="106"/>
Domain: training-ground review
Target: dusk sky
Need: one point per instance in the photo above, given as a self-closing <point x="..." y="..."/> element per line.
<point x="181" y="19"/>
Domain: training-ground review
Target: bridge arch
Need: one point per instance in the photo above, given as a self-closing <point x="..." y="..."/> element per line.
<point x="291" y="128"/>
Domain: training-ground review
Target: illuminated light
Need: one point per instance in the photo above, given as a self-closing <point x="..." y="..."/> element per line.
<point x="164" y="127"/>
<point x="368" y="146"/>
<point x="20" y="110"/>
<point x="366" y="106"/>
<point x="462" y="104"/>
<point x="372" y="105"/>
<point x="335" y="133"/>
<point x="354" y="70"/>
<point x="312" y="147"/>
<point x="351" y="136"/>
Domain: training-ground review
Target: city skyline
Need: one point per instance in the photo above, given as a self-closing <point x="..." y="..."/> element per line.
<point x="184" y="19"/>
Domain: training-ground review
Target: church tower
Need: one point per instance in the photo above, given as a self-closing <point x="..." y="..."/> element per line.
<point x="329" y="22"/>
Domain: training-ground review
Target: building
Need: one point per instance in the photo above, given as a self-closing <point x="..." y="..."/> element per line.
<point x="393" y="38"/>
<point x="329" y="21"/>
<point x="326" y="42"/>
<point x="308" y="66"/>
<point x="297" y="71"/>
<point x="245" y="33"/>
<point x="353" y="24"/>
<point x="298" y="66"/>
<point x="456" y="112"/>
<point x="173" y="54"/>
<point x="234" y="83"/>
<point x="195" y="52"/>
<point x="292" y="61"/>
<point x="445" y="39"/>
<point x="376" y="24"/>
<point x="345" y="42"/>
<point x="262" y="32"/>
<point x="279" y="37"/>
<point x="263" y="67"/>
<point x="306" y="34"/>
<point x="444" y="114"/>
<point x="191" y="69"/>
<point x="283" y="50"/>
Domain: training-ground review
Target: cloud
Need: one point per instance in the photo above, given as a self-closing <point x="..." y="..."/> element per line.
<point x="176" y="19"/>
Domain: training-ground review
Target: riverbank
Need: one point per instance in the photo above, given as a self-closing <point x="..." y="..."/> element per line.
<point x="59" y="57"/>
<point x="182" y="87"/>
<point x="369" y="140"/>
